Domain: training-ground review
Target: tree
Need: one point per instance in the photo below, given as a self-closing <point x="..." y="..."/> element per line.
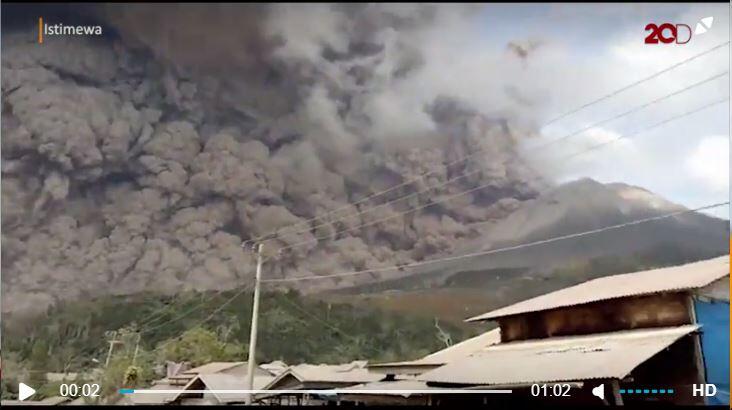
<point x="123" y="373"/>
<point x="199" y="346"/>
<point x="13" y="371"/>
<point x="38" y="361"/>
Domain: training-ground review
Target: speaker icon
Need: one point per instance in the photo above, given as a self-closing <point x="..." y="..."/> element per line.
<point x="703" y="25"/>
<point x="599" y="391"/>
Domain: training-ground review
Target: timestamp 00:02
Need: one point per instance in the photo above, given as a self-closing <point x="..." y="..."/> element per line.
<point x="75" y="390"/>
<point x="553" y="390"/>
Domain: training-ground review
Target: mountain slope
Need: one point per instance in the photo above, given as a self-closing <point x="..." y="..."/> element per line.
<point x="585" y="205"/>
<point x="581" y="206"/>
<point x="455" y="289"/>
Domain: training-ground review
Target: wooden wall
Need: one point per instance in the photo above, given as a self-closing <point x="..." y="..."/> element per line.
<point x="667" y="309"/>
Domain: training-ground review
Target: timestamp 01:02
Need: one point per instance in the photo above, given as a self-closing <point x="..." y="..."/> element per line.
<point x="550" y="390"/>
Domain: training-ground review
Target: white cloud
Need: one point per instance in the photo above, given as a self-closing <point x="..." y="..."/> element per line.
<point x="682" y="160"/>
<point x="709" y="163"/>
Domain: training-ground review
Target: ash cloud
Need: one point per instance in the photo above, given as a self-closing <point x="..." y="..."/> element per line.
<point x="143" y="159"/>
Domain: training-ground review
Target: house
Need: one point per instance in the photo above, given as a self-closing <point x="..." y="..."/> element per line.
<point x="308" y="377"/>
<point x="276" y="367"/>
<point x="210" y="376"/>
<point x="711" y="308"/>
<point x="179" y="375"/>
<point x="230" y="368"/>
<point x="584" y="361"/>
<point x="400" y="376"/>
<point x="399" y="391"/>
<point x="152" y="399"/>
<point x="439" y="358"/>
<point x="217" y="382"/>
<point x="632" y="331"/>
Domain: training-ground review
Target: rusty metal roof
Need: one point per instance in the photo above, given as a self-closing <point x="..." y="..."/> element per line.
<point x="571" y="358"/>
<point x="675" y="278"/>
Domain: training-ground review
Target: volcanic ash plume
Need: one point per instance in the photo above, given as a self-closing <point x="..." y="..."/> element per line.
<point x="143" y="159"/>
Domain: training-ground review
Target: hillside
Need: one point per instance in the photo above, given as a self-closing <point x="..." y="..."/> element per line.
<point x="585" y="205"/>
<point x="486" y="282"/>
<point x="295" y="329"/>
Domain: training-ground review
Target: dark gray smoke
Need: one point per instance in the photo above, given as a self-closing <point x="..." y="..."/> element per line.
<point x="143" y="159"/>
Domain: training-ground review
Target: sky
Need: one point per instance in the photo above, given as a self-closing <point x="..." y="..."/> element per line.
<point x="587" y="51"/>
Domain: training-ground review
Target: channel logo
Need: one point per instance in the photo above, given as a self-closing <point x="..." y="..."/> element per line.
<point x="703" y="25"/>
<point x="669" y="33"/>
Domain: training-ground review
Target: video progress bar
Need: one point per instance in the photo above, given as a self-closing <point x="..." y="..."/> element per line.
<point x="325" y="392"/>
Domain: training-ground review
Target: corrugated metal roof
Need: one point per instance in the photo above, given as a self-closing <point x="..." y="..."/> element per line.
<point x="572" y="358"/>
<point x="454" y="352"/>
<point x="333" y="373"/>
<point x="158" y="398"/>
<point x="227" y="382"/>
<point x="716" y="291"/>
<point x="214" y="381"/>
<point x="275" y="368"/>
<point x="676" y="278"/>
<point x="466" y="347"/>
<point x="403" y="384"/>
<point x="213" y="367"/>
<point x="349" y="373"/>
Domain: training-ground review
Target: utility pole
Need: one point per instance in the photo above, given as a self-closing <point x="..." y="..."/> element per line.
<point x="253" y="328"/>
<point x="137" y="349"/>
<point x="112" y="342"/>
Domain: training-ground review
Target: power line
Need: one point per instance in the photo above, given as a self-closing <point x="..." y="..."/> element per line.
<point x="197" y="307"/>
<point x="209" y="317"/>
<point x="641" y="131"/>
<point x="459" y="160"/>
<point x="594" y="147"/>
<point x="369" y="210"/>
<point x="321" y="321"/>
<point x="565" y="137"/>
<point x="468" y="191"/>
<point x="459" y="194"/>
<point x="233" y="297"/>
<point x="638" y="108"/>
<point x="169" y="308"/>
<point x="328" y="324"/>
<point x="620" y="137"/>
<point x="185" y="314"/>
<point x="506" y="249"/>
<point x="146" y="320"/>
<point x="160" y="313"/>
<point x="633" y="84"/>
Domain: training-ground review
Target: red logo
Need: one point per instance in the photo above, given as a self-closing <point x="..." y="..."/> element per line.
<point x="668" y="33"/>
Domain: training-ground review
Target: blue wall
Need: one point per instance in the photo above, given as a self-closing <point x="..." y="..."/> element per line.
<point x="714" y="318"/>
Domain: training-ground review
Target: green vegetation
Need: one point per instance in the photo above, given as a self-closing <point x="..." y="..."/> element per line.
<point x="73" y="337"/>
<point x="470" y="292"/>
<point x="663" y="254"/>
<point x="383" y="326"/>
<point x="199" y="346"/>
